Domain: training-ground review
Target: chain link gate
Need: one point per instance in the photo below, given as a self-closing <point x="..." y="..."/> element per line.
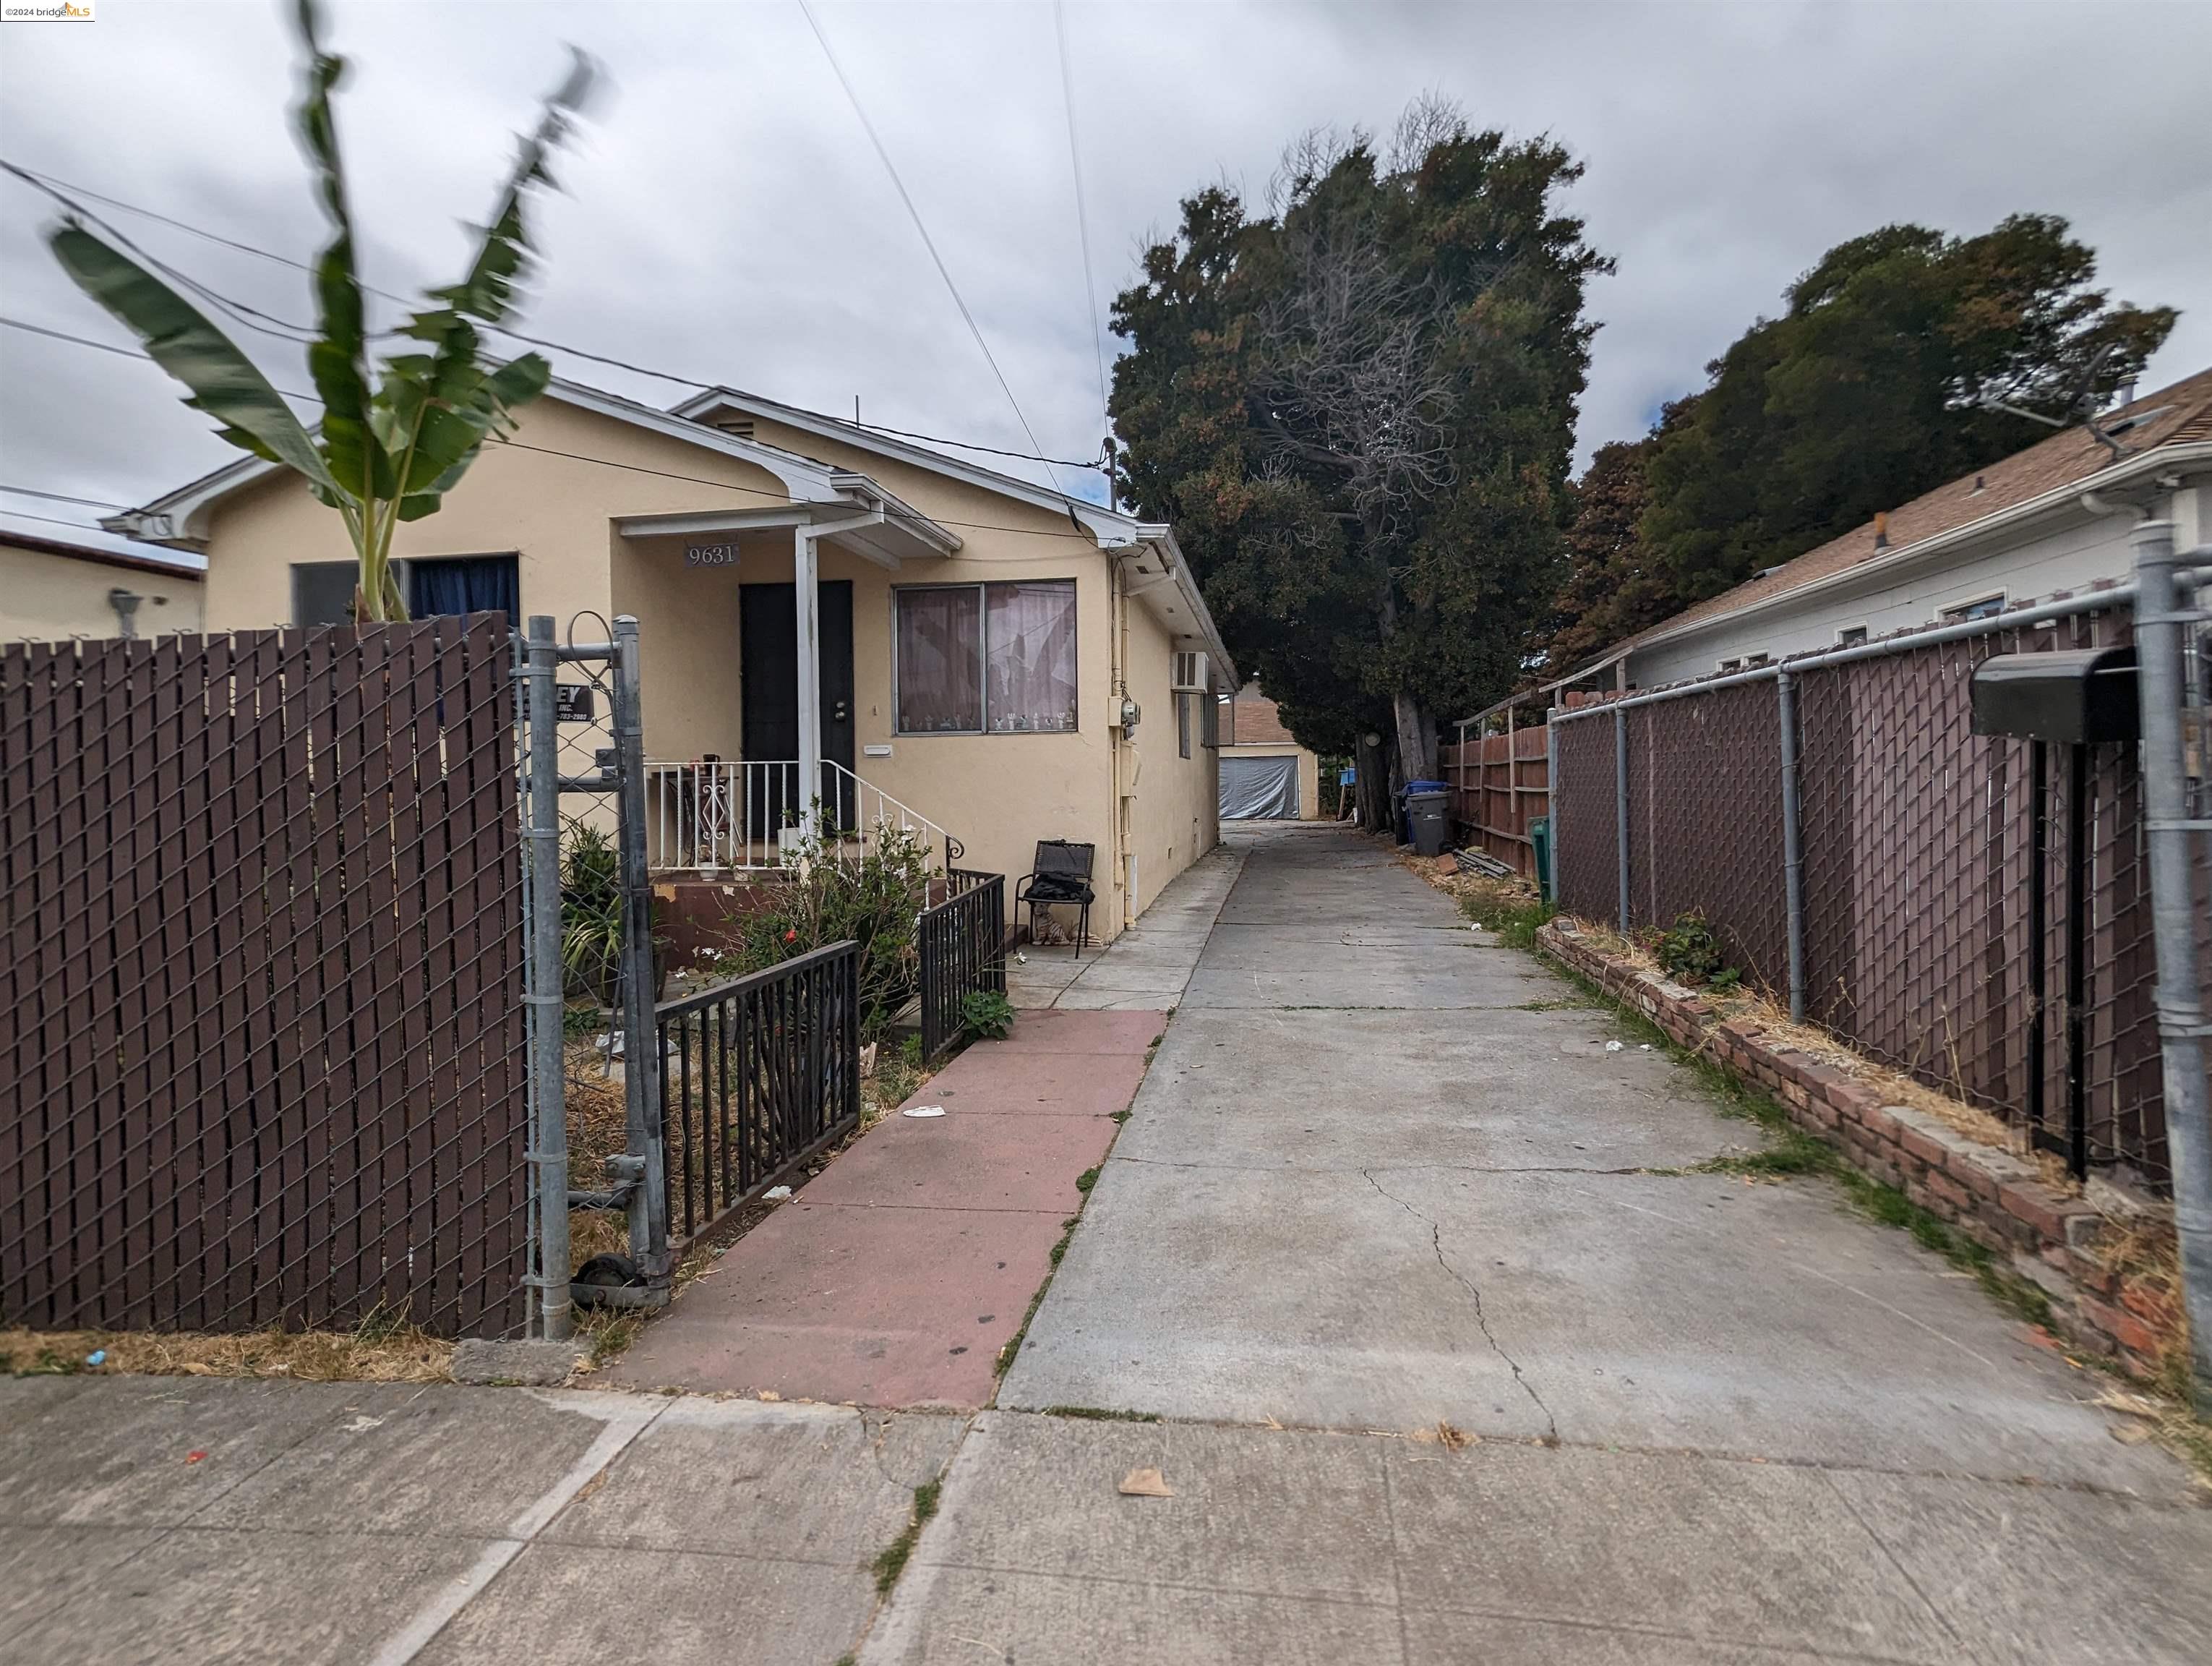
<point x="587" y="911"/>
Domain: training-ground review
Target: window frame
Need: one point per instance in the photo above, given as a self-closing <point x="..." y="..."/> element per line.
<point x="1851" y="636"/>
<point x="1182" y="722"/>
<point x="296" y="568"/>
<point x="982" y="587"/>
<point x="1981" y="607"/>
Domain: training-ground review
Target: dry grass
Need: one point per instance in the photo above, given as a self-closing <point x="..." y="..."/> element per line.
<point x="375" y="1352"/>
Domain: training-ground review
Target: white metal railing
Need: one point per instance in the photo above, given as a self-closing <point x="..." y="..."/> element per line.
<point x="716" y="815"/>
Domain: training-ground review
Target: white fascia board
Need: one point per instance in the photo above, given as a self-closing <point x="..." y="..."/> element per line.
<point x="2057" y="501"/>
<point x="1200" y="626"/>
<point x="182" y="513"/>
<point x="1109" y="526"/>
<point x="942" y="540"/>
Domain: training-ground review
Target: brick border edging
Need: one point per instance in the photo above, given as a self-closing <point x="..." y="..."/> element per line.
<point x="1992" y="1196"/>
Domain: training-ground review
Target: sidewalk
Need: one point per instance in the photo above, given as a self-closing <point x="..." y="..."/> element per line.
<point x="1146" y="967"/>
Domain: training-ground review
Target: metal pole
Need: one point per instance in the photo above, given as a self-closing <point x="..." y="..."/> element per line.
<point x="1551" y="799"/>
<point x="1793" y="848"/>
<point x="648" y="1200"/>
<point x="1621" y="807"/>
<point x="2171" y="819"/>
<point x="548" y="1279"/>
<point x="805" y="590"/>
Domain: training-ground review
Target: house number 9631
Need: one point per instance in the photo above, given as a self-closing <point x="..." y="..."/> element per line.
<point x="710" y="555"/>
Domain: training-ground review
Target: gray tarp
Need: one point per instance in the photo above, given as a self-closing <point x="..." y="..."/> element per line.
<point x="1260" y="787"/>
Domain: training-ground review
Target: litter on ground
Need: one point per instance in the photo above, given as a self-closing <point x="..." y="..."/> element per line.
<point x="923" y="1110"/>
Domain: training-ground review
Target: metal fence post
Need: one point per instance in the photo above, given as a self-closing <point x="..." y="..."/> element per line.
<point x="548" y="1279"/>
<point x="1620" y="806"/>
<point x="641" y="1060"/>
<point x="1793" y="854"/>
<point x="1552" y="803"/>
<point x="2171" y="820"/>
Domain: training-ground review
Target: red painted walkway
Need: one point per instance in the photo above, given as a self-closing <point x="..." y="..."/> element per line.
<point x="895" y="1277"/>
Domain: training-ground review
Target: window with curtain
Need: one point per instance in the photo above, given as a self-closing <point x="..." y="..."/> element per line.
<point x="1029" y="659"/>
<point x="448" y="585"/>
<point x="940" y="660"/>
<point x="997" y="659"/>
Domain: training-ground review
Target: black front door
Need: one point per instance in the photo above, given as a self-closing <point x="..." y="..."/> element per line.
<point x="768" y="624"/>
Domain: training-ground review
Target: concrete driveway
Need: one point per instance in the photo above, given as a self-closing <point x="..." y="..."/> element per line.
<point x="1438" y="1371"/>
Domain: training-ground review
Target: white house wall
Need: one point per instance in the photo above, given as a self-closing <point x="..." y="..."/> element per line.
<point x="2072" y="555"/>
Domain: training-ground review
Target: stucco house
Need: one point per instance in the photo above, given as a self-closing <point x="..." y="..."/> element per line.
<point x="58" y="582"/>
<point x="993" y="660"/>
<point x="1265" y="773"/>
<point x="2050" y="519"/>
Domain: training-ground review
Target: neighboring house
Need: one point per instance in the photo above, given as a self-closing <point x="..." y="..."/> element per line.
<point x="976" y="641"/>
<point x="58" y="582"/>
<point x="1265" y="773"/>
<point x="2053" y="518"/>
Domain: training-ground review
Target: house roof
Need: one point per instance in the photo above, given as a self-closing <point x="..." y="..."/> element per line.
<point x="2048" y="475"/>
<point x="182" y="513"/>
<point x="92" y="544"/>
<point x="1256" y="721"/>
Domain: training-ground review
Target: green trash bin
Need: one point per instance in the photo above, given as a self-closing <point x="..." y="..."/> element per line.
<point x="1539" y="834"/>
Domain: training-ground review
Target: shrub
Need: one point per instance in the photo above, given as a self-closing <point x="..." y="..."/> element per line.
<point x="827" y="897"/>
<point x="591" y="914"/>
<point x="1692" y="954"/>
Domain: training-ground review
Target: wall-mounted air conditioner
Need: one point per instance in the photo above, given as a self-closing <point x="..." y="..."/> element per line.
<point x="1189" y="673"/>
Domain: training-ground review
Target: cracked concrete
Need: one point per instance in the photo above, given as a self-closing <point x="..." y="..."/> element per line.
<point x="1707" y="1420"/>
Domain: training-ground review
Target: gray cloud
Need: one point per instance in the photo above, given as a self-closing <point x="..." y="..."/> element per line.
<point x="723" y="215"/>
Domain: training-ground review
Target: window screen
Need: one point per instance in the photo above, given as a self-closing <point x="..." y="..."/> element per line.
<point x="322" y="593"/>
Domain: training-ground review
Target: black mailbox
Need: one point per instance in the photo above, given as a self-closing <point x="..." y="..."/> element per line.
<point x="2083" y="697"/>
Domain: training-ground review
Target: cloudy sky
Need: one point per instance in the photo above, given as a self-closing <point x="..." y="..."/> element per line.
<point x="725" y="217"/>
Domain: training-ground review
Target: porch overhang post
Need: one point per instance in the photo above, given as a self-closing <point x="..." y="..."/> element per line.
<point x="806" y="576"/>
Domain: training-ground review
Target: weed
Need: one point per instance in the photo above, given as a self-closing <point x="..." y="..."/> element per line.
<point x="1121" y="1115"/>
<point x="1552" y="1006"/>
<point x="892" y="1561"/>
<point x="1510" y="908"/>
<point x="987" y="1014"/>
<point x="1021" y="1332"/>
<point x="1692" y="954"/>
<point x="1086" y="1180"/>
<point x="1100" y="1414"/>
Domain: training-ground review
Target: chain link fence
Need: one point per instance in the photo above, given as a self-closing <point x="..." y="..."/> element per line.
<point x="1939" y="880"/>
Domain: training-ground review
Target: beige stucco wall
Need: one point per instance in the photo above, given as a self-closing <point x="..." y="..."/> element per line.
<point x="46" y="597"/>
<point x="997" y="794"/>
<point x="1309" y="773"/>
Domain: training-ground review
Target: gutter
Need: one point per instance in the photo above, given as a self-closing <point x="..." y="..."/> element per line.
<point x="2058" y="497"/>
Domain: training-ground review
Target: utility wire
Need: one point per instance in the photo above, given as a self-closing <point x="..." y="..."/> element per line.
<point x="927" y="242"/>
<point x="60" y="497"/>
<point x="1082" y="212"/>
<point x="122" y="352"/>
<point x="44" y="180"/>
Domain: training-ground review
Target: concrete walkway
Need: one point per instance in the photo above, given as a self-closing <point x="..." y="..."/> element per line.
<point x="1442" y="1372"/>
<point x="897" y="1276"/>
<point x="1146" y="967"/>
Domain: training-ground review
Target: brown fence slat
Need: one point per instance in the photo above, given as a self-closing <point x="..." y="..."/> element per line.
<point x="263" y="966"/>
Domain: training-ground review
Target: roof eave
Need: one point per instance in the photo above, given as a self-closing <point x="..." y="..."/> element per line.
<point x="2055" y="501"/>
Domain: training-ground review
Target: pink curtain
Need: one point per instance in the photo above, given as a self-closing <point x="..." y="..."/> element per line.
<point x="1030" y="665"/>
<point x="940" y="689"/>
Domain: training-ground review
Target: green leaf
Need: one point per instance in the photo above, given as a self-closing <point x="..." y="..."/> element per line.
<point x="224" y="382"/>
<point x="339" y="359"/>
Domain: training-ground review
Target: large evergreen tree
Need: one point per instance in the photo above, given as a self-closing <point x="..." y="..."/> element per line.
<point x="1882" y="380"/>
<point x="1358" y="410"/>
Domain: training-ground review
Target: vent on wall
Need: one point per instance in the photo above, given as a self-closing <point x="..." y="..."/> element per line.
<point x="1189" y="673"/>
<point x="739" y="428"/>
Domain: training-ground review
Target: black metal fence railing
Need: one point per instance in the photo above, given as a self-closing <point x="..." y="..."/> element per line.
<point x="757" y="1074"/>
<point x="963" y="945"/>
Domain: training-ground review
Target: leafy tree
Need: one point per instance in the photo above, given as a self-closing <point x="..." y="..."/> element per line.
<point x="1880" y="381"/>
<point x="391" y="445"/>
<point x="1357" y="409"/>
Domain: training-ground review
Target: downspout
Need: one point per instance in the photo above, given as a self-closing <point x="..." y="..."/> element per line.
<point x="1125" y="773"/>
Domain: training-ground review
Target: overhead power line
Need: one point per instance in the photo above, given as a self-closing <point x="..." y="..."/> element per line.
<point x="121" y="352"/>
<point x="1082" y="211"/>
<point x="54" y="186"/>
<point x="927" y="242"/>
